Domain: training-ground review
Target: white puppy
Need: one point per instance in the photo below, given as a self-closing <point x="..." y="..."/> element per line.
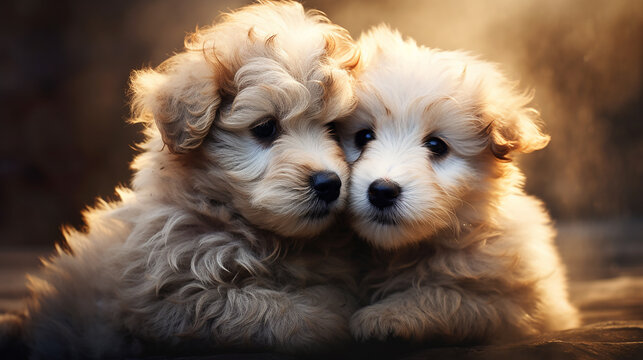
<point x="238" y="168"/>
<point x="462" y="254"/>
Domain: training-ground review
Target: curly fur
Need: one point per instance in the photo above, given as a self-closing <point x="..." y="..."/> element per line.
<point x="464" y="254"/>
<point x="218" y="242"/>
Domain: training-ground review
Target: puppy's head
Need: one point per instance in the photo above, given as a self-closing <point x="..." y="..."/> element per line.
<point x="244" y="117"/>
<point x="431" y="140"/>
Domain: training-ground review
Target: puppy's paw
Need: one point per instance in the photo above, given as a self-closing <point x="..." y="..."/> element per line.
<point x="379" y="322"/>
<point x="316" y="320"/>
<point x="307" y="329"/>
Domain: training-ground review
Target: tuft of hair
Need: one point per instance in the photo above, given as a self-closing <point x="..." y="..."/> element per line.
<point x="181" y="96"/>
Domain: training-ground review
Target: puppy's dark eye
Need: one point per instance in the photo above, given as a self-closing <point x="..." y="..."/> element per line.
<point x="266" y="131"/>
<point x="436" y="145"/>
<point x="362" y="137"/>
<point x="332" y="131"/>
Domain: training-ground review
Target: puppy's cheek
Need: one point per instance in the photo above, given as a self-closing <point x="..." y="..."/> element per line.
<point x="454" y="175"/>
<point x="241" y="158"/>
<point x="343" y="171"/>
<point x="358" y="203"/>
<point x="351" y="153"/>
<point x="282" y="192"/>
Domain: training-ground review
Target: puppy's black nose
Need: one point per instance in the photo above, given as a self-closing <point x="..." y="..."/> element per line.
<point x="382" y="193"/>
<point x="326" y="185"/>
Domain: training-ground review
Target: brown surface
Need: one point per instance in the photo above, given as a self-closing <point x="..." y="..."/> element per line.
<point x="607" y="287"/>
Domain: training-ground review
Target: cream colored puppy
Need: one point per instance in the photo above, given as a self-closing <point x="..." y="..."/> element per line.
<point x="212" y="244"/>
<point x="461" y="252"/>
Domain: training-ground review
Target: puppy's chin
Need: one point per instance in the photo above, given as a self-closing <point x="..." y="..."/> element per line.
<point x="305" y="225"/>
<point x="308" y="226"/>
<point x="294" y="220"/>
<point x="388" y="233"/>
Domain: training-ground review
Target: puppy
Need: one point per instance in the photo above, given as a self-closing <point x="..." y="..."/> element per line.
<point x="213" y="243"/>
<point x="462" y="254"/>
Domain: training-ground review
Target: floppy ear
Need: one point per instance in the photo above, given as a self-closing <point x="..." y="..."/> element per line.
<point x="519" y="133"/>
<point x="180" y="97"/>
<point x="512" y="126"/>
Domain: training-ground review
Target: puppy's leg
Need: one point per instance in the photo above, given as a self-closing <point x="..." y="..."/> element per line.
<point x="441" y="313"/>
<point x="73" y="325"/>
<point x="12" y="343"/>
<point x="298" y="320"/>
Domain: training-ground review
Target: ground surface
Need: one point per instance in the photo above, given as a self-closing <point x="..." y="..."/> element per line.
<point x="605" y="263"/>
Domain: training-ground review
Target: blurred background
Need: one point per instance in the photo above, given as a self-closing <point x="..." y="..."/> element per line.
<point x="64" y="67"/>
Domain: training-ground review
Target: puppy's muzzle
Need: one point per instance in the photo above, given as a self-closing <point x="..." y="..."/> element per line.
<point x="326" y="185"/>
<point x="383" y="193"/>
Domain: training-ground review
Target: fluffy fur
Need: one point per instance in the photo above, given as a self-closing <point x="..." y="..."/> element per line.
<point x="213" y="242"/>
<point x="463" y="254"/>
